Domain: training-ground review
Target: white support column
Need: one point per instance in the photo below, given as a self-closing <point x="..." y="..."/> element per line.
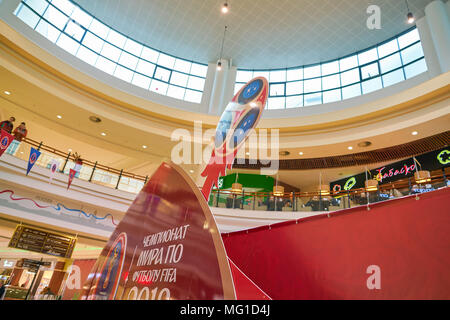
<point x="439" y="25"/>
<point x="433" y="65"/>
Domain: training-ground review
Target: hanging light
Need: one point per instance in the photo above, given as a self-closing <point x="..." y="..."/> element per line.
<point x="323" y="189"/>
<point x="219" y="63"/>
<point x="422" y="176"/>
<point x="409" y="17"/>
<point x="236" y="187"/>
<point x="278" y="191"/>
<point x="371" y="185"/>
<point x="225" y="8"/>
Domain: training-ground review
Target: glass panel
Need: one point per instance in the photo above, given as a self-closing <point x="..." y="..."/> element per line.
<point x="393" y="77"/>
<point x="264" y="74"/>
<point x="149" y="54"/>
<point x="55" y="17"/>
<point x="276" y="103"/>
<point x="369" y="71"/>
<point x="295" y="87"/>
<point x="166" y="61"/>
<point x="87" y="55"/>
<point x="312" y="99"/>
<point x="408" y="38"/>
<point x="311" y="72"/>
<point x="244" y="76"/>
<point x="64" y="5"/>
<point x="193" y="96"/>
<point x="199" y="70"/>
<point x="74" y="30"/>
<point x="37" y="5"/>
<point x="47" y="30"/>
<point x="351" y="91"/>
<point x="348" y="63"/>
<point x="99" y="29"/>
<point x="349" y="77"/>
<point x="111" y="52"/>
<point x="133" y="47"/>
<point x="331" y="82"/>
<point x="313" y="85"/>
<point x="123" y="73"/>
<point x="158" y="87"/>
<point x="182" y="65"/>
<point x="390" y="63"/>
<point x="276" y="89"/>
<point x="105" y="65"/>
<point x="412" y="53"/>
<point x="330" y="67"/>
<point x="116" y="38"/>
<point x="294" y="101"/>
<point x="81" y="17"/>
<point x="415" y="68"/>
<point x="294" y="74"/>
<point x="68" y="44"/>
<point x="176" y="92"/>
<point x="237" y="87"/>
<point x="331" y="96"/>
<point x="145" y="67"/>
<point x="93" y="42"/>
<point x="277" y="76"/>
<point x="196" y="83"/>
<point x="141" y="81"/>
<point x="179" y="78"/>
<point x="162" y="74"/>
<point x="387" y="48"/>
<point x="128" y="60"/>
<point x="371" y="85"/>
<point x="367" y="56"/>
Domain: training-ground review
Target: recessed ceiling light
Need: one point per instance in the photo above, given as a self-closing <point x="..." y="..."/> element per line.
<point x="247" y="153"/>
<point x="364" y="144"/>
<point x="58" y="116"/>
<point x="191" y="171"/>
<point x="70" y="150"/>
<point x="284" y="153"/>
<point x="95" y="119"/>
<point x="225" y="8"/>
<point x="7" y="92"/>
<point x="144" y="146"/>
<point x="300" y="153"/>
<point x="414" y="133"/>
<point x="103" y="134"/>
<point x="350" y="148"/>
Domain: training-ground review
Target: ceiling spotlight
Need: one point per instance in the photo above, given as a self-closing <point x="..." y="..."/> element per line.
<point x="350" y="148"/>
<point x="219" y="66"/>
<point x="103" y="134"/>
<point x="144" y="146"/>
<point x="70" y="150"/>
<point x="191" y="171"/>
<point x="414" y="133"/>
<point x="7" y="92"/>
<point x="300" y="153"/>
<point x="410" y="18"/>
<point x="58" y="116"/>
<point x="225" y="8"/>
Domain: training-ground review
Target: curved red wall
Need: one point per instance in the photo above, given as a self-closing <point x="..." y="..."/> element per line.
<point x="400" y="249"/>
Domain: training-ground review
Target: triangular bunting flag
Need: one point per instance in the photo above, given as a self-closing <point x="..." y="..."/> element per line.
<point x="71" y="176"/>
<point x="5" y="141"/>
<point x="34" y="155"/>
<point x="54" y="165"/>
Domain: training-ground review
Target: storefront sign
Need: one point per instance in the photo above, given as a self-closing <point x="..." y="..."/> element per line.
<point x="41" y="241"/>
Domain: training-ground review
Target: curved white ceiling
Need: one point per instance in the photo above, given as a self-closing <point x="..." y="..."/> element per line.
<point x="261" y="34"/>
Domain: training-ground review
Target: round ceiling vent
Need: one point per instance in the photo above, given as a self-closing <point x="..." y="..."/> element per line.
<point x="364" y="144"/>
<point x="284" y="153"/>
<point x="95" y="119"/>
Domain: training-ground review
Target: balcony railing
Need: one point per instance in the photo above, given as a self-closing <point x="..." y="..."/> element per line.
<point x="97" y="173"/>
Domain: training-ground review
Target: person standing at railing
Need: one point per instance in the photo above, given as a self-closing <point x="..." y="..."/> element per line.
<point x="19" y="134"/>
<point x="8" y="125"/>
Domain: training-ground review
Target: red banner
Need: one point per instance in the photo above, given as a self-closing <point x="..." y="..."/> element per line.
<point x="71" y="176"/>
<point x="5" y="141"/>
<point x="397" y="250"/>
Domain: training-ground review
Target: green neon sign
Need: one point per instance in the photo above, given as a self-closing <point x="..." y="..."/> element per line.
<point x="444" y="157"/>
<point x="350" y="183"/>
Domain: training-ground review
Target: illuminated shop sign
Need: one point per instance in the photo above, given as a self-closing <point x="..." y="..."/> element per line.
<point x="402" y="169"/>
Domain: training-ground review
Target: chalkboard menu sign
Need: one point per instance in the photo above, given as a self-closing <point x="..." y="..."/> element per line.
<point x="41" y="241"/>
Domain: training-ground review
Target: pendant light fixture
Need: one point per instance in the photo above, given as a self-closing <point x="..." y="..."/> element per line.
<point x="421" y="176"/>
<point x="371" y="184"/>
<point x="278" y="191"/>
<point x="219" y="63"/>
<point x="225" y="7"/>
<point x="409" y="17"/>
<point x="236" y="187"/>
